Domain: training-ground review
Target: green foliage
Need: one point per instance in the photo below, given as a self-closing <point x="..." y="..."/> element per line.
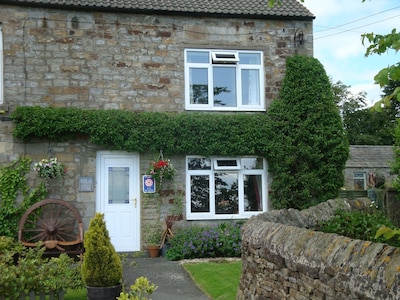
<point x="362" y="225"/>
<point x="307" y="148"/>
<point x="379" y="44"/>
<point x="140" y="290"/>
<point x="101" y="265"/>
<point x="388" y="234"/>
<point x="189" y="133"/>
<point x="25" y="269"/>
<point x="16" y="196"/>
<point x="152" y="234"/>
<point x="223" y="240"/>
<point x="370" y="127"/>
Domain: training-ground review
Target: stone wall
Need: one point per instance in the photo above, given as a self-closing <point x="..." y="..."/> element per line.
<point x="283" y="258"/>
<point x="133" y="62"/>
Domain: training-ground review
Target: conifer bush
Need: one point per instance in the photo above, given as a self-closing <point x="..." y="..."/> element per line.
<point x="101" y="266"/>
<point x="308" y="147"/>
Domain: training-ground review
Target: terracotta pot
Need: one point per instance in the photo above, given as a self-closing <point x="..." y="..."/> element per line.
<point x="154" y="251"/>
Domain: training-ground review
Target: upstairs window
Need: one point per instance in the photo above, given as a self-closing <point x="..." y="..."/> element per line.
<point x="225" y="188"/>
<point x="224" y="80"/>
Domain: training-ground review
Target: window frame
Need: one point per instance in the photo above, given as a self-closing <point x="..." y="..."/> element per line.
<point x="212" y="215"/>
<point x="232" y="63"/>
<point x="360" y="176"/>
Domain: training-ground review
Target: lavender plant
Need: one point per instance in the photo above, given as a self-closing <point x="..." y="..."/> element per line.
<point x="223" y="240"/>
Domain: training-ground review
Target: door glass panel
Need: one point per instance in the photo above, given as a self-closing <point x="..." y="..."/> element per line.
<point x="226" y="193"/>
<point x="200" y="193"/>
<point x="118" y="185"/>
<point x="198" y="85"/>
<point x="252" y="193"/>
<point x="224" y="86"/>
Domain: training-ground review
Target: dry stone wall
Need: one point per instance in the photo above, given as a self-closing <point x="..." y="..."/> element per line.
<point x="283" y="258"/>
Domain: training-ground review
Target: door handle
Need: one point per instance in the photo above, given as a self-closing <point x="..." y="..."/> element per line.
<point x="135" y="202"/>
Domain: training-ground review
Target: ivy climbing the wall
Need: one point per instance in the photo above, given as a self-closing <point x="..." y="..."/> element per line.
<point x="16" y="196"/>
<point x="189" y="133"/>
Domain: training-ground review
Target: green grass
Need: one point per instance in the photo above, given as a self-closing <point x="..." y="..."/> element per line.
<point x="75" y="294"/>
<point x="218" y="279"/>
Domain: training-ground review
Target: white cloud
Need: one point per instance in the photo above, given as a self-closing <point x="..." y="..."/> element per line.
<point x="339" y="48"/>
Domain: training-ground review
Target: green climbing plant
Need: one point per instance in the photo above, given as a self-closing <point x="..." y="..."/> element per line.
<point x="16" y="195"/>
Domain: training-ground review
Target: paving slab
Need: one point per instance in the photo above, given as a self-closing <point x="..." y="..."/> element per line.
<point x="173" y="282"/>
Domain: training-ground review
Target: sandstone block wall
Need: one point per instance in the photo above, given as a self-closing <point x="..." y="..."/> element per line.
<point x="283" y="258"/>
<point x="135" y="62"/>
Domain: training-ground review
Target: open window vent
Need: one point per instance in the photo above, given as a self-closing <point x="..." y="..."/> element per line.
<point x="226" y="164"/>
<point x="225" y="57"/>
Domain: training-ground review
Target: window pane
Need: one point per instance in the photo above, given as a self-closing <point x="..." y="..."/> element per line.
<point x="226" y="193"/>
<point x="249" y="58"/>
<point x="198" y="86"/>
<point x="359" y="184"/>
<point x="250" y="87"/>
<point x="252" y="193"/>
<point x="224" y="86"/>
<point x="198" y="57"/>
<point x="118" y="185"/>
<point x="252" y="163"/>
<point x="200" y="193"/>
<point x="199" y="164"/>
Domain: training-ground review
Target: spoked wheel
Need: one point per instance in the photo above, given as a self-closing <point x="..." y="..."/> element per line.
<point x="53" y="222"/>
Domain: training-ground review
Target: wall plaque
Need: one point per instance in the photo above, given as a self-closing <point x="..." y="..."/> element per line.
<point x="86" y="184"/>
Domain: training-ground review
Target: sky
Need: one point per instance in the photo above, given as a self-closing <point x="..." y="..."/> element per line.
<point x="338" y="26"/>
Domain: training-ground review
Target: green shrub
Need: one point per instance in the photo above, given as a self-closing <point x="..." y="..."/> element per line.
<point x="203" y="134"/>
<point x="308" y="147"/>
<point x="101" y="267"/>
<point x="362" y="225"/>
<point x="25" y="269"/>
<point x="140" y="290"/>
<point x="223" y="240"/>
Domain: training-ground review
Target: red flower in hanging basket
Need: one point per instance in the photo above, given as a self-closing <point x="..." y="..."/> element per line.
<point x="162" y="169"/>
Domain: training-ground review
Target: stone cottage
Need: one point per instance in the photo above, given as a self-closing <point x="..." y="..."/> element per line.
<point x="365" y="164"/>
<point x="192" y="57"/>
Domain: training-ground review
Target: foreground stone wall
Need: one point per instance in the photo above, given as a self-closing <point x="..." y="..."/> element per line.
<point x="283" y="258"/>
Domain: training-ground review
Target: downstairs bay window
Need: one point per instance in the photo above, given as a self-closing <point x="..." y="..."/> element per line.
<point x="225" y="188"/>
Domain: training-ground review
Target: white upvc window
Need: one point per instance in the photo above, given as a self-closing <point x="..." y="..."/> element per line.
<point x="1" y="66"/>
<point x="225" y="188"/>
<point x="224" y="80"/>
<point x="359" y="179"/>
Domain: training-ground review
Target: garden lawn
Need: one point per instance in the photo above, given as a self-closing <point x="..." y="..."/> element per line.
<point x="75" y="294"/>
<point x="218" y="279"/>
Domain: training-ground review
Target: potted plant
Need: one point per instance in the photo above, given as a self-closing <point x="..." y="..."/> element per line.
<point x="101" y="267"/>
<point x="152" y="238"/>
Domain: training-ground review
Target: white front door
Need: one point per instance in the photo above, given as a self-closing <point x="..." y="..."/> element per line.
<point x="118" y="197"/>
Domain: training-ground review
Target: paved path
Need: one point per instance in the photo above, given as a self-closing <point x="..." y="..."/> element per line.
<point x="172" y="280"/>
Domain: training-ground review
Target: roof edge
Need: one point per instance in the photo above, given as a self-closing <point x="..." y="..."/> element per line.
<point x="154" y="11"/>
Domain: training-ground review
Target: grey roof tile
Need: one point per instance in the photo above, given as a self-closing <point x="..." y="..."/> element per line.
<point x="239" y="8"/>
<point x="370" y="156"/>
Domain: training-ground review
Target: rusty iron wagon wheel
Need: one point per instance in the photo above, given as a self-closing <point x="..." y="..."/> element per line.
<point x="54" y="223"/>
